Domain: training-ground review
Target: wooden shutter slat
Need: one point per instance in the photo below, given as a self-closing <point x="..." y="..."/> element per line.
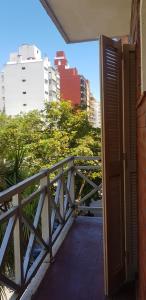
<point x="113" y="188"/>
<point x="130" y="164"/>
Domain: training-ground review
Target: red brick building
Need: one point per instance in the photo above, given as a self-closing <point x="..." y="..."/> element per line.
<point x="73" y="86"/>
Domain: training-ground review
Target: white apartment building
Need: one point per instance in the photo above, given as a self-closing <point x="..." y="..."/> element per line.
<point x="24" y="81"/>
<point x="94" y="112"/>
<point x="98" y="114"/>
<point x="54" y="84"/>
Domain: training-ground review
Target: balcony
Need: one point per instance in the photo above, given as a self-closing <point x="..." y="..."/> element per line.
<point x="80" y="261"/>
<point x="51" y="241"/>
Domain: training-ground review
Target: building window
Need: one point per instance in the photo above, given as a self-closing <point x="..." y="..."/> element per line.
<point x="30" y="58"/>
<point x="83" y="88"/>
<point x="46" y="69"/>
<point x="24" y="93"/>
<point x="23" y="68"/>
<point x="24" y="104"/>
<point x="46" y="92"/>
<point x="46" y="81"/>
<point x="23" y="80"/>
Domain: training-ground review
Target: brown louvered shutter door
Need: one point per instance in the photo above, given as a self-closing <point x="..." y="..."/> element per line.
<point x="129" y="72"/>
<point x="113" y="185"/>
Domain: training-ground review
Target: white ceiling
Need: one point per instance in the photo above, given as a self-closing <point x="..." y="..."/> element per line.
<point x="82" y="20"/>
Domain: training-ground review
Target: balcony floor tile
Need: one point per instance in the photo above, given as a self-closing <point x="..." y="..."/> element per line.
<point x="78" y="269"/>
<point x="77" y="273"/>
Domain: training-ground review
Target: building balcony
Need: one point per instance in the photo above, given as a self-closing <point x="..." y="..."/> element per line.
<point x="51" y="240"/>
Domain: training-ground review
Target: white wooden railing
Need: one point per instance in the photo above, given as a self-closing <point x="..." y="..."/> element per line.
<point x="37" y="210"/>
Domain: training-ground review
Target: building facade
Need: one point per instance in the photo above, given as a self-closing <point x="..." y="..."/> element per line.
<point x="24" y="81"/>
<point x="98" y="114"/>
<point x="73" y="86"/>
<point x="84" y="92"/>
<point x="54" y="84"/>
<point x="94" y="112"/>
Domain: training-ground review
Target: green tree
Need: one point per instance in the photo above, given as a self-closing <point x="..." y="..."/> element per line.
<point x="16" y="134"/>
<point x="36" y="140"/>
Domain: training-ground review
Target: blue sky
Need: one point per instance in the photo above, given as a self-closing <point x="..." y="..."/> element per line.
<point x="27" y="22"/>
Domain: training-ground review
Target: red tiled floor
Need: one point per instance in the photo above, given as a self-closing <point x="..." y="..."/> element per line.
<point x="77" y="273"/>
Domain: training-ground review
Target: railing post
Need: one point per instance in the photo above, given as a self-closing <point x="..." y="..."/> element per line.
<point x="18" y="259"/>
<point x="44" y="182"/>
<point x="61" y="196"/>
<point x="72" y="183"/>
<point x="46" y="214"/>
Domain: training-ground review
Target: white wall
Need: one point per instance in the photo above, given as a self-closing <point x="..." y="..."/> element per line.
<point x="15" y="87"/>
<point x="2" y="96"/>
<point x="54" y="85"/>
<point x="29" y="52"/>
<point x="98" y="114"/>
<point x="26" y="85"/>
<point x="95" y="112"/>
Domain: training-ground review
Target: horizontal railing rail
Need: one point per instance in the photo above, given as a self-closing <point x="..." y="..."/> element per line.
<point x="38" y="209"/>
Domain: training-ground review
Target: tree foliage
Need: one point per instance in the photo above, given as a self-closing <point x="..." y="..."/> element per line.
<point x="36" y="140"/>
